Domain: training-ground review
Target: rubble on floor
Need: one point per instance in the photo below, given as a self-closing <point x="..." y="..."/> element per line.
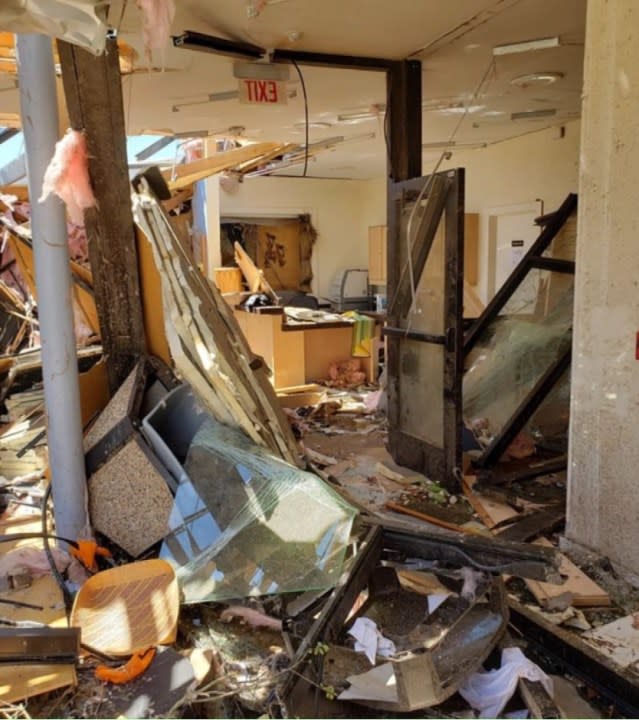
<point x="262" y="555"/>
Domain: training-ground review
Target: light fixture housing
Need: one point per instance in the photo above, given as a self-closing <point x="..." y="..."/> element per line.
<point x="526" y="46"/>
<point x="191" y="40"/>
<point x="537" y="78"/>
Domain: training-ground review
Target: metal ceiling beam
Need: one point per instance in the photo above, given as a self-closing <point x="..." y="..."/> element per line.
<point x="7" y="134"/>
<point x="346" y="62"/>
<point x="13" y="171"/>
<point x="154" y="147"/>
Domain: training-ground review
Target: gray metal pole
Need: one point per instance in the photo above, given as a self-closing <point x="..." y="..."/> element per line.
<point x="39" y="112"/>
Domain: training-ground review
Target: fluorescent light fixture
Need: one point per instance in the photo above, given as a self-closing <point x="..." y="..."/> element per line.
<point x="460" y="109"/>
<point x="538" y="78"/>
<point x="313" y="125"/>
<point x="527" y="46"/>
<point x="261" y="71"/>
<point x="533" y="114"/>
<point x="359" y="116"/>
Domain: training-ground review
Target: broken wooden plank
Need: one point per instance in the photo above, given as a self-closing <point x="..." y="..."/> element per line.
<point x="93" y="90"/>
<point x="180" y="176"/>
<point x="253" y="275"/>
<point x="207" y="345"/>
<point x="584" y="591"/>
<point x="395" y="507"/>
<point x="490" y="512"/>
<point x="537" y="700"/>
<point x="534" y="524"/>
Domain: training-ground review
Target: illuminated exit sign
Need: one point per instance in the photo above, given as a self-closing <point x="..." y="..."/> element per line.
<point x="263" y="92"/>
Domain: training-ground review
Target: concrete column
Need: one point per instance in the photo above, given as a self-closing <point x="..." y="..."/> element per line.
<point x="603" y="497"/>
<point x="38" y="107"/>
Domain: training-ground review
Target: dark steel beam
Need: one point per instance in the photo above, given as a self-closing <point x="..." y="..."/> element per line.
<point x="573" y="656"/>
<point x="191" y="40"/>
<point x="154" y="147"/>
<point x="554" y="264"/>
<point x="454" y="329"/>
<point x="7" y="134"/>
<point x="525" y="411"/>
<point x="345" y="62"/>
<point x="404" y="119"/>
<point x="414" y="335"/>
<point x="519" y="273"/>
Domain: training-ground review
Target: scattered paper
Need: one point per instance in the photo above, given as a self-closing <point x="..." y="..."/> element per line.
<point x="489" y="692"/>
<point x="378" y="685"/>
<point x="370" y="641"/>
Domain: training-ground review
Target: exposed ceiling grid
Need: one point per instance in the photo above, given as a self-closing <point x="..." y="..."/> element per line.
<point x="453" y="40"/>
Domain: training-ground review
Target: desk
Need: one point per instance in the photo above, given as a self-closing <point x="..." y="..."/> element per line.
<point x="301" y="353"/>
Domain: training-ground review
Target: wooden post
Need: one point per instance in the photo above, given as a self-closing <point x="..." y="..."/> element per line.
<point x="93" y="90"/>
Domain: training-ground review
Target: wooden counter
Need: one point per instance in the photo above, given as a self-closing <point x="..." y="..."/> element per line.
<point x="300" y="353"/>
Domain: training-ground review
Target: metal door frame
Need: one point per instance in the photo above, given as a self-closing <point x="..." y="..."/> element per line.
<point x="439" y="464"/>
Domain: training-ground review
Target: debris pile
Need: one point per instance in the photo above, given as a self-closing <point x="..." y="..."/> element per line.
<point x="235" y="569"/>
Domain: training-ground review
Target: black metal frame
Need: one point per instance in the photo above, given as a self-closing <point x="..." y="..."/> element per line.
<point x="447" y="189"/>
<point x="533" y="259"/>
<point x="547" y="641"/>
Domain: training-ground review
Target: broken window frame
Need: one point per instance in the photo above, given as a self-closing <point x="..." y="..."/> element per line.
<point x="532" y="260"/>
<point x="447" y="205"/>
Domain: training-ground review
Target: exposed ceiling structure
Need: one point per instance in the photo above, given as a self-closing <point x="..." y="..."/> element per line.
<point x="472" y="94"/>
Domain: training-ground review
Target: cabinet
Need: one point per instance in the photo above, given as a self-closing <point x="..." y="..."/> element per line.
<point x="377" y="255"/>
<point x="377" y="251"/>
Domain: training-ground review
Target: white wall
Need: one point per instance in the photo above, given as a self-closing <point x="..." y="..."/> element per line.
<point x="335" y="207"/>
<point x="511" y="173"/>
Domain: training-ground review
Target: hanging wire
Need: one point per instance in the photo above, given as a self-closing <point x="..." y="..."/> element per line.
<point x="299" y="72"/>
<point x="446" y="154"/>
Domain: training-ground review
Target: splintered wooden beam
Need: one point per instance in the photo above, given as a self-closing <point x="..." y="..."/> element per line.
<point x="93" y="90"/>
<point x="182" y="175"/>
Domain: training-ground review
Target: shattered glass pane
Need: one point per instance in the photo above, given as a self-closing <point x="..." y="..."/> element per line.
<point x="549" y="424"/>
<point x="246" y="523"/>
<point x="532" y="331"/>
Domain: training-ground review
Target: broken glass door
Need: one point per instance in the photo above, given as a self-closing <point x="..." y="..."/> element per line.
<point x="424" y="323"/>
<point x="519" y="349"/>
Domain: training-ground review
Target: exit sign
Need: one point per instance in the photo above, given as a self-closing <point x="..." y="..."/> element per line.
<point x="263" y="92"/>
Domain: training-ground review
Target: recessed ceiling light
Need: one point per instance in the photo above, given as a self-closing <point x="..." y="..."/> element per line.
<point x="538" y="78"/>
<point x="527" y="46"/>
<point x="315" y="125"/>
<point x="493" y="113"/>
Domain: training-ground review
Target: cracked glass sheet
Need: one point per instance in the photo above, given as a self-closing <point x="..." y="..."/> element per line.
<point x="549" y="424"/>
<point x="532" y="331"/>
<point x="421" y="373"/>
<point x="246" y="523"/>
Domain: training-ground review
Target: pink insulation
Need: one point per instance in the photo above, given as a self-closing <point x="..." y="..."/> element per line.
<point x="68" y="176"/>
<point x="157" y="17"/>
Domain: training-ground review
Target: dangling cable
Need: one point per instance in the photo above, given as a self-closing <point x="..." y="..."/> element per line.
<point x="446" y="154"/>
<point x="299" y="72"/>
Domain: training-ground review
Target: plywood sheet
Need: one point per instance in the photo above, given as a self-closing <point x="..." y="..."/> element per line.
<point x="585" y="591"/>
<point x="18" y="682"/>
